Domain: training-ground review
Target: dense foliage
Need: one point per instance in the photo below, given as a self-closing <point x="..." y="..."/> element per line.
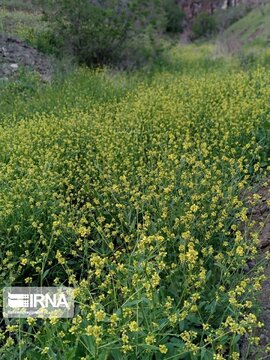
<point x="204" y="25"/>
<point x="174" y="15"/>
<point x="103" y="32"/>
<point x="129" y="190"/>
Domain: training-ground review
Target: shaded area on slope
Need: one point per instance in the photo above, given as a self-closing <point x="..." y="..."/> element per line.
<point x="252" y="31"/>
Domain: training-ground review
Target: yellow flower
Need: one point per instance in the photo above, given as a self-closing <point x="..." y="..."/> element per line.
<point x="100" y="315"/>
<point x="150" y="339"/>
<point x="240" y="251"/>
<point x="163" y="349"/>
<point x="45" y="350"/>
<point x="60" y="257"/>
<point x="133" y="326"/>
<point x="194" y="208"/>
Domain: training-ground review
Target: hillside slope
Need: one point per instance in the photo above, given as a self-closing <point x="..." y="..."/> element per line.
<point x="252" y="31"/>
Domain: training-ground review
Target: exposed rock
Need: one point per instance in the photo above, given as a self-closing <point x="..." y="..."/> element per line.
<point x="15" y="54"/>
<point x="14" y="66"/>
<point x="193" y="7"/>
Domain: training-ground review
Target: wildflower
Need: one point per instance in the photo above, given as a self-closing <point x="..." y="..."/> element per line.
<point x="150" y="339"/>
<point x="133" y="326"/>
<point x="45" y="350"/>
<point x="60" y="257"/>
<point x="194" y="208"/>
<point x="163" y="349"/>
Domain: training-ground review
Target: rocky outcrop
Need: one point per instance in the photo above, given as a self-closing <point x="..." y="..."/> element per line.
<point x="14" y="54"/>
<point x="193" y="7"/>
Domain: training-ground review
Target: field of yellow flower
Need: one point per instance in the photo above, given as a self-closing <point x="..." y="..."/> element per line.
<point x="129" y="190"/>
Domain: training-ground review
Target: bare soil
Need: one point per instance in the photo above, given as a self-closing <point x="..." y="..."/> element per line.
<point x="15" y="54"/>
<point x="260" y="214"/>
<point x="255" y="34"/>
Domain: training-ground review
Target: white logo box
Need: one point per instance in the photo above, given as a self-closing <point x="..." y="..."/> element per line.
<point x="42" y="302"/>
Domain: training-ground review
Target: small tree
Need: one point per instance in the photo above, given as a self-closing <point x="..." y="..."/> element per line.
<point x="203" y="25"/>
<point x="95" y="31"/>
<point x="175" y="16"/>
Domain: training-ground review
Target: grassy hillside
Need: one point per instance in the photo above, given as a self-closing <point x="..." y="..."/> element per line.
<point x="252" y="31"/>
<point x="28" y="26"/>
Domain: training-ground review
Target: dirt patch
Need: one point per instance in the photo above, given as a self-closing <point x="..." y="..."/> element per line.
<point x="14" y="54"/>
<point x="258" y="202"/>
<point x="259" y="212"/>
<point x="255" y="34"/>
<point x="243" y="32"/>
<point x="185" y="36"/>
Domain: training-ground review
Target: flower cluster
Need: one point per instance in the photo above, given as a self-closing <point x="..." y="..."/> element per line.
<point x="135" y="202"/>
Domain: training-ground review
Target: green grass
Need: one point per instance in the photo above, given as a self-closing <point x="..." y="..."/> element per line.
<point x="128" y="187"/>
<point x="28" y="26"/>
<point x="19" y="22"/>
<point x="26" y="94"/>
<point x="19" y="5"/>
<point x="253" y="30"/>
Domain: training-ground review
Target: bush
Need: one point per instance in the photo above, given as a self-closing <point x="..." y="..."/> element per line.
<point x="45" y="42"/>
<point x="203" y="26"/>
<point x="43" y="39"/>
<point x="175" y="16"/>
<point x="144" y="50"/>
<point x="98" y="33"/>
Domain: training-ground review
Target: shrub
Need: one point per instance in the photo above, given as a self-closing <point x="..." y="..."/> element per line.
<point x="45" y="42"/>
<point x="98" y="33"/>
<point x="175" y="16"/>
<point x="144" y="50"/>
<point x="42" y="38"/>
<point x="203" y="25"/>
